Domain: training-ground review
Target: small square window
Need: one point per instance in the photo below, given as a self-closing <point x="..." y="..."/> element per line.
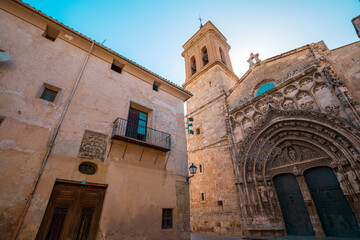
<point x="197" y="131"/>
<point x="155" y="87"/>
<point x="166" y="218"/>
<point x="117" y="66"/>
<point x="48" y="95"/>
<point x="51" y="33"/>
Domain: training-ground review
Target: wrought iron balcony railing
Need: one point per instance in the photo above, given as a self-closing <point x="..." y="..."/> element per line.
<point x="133" y="132"/>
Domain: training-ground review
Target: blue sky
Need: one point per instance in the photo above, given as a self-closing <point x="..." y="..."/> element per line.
<point x="152" y="32"/>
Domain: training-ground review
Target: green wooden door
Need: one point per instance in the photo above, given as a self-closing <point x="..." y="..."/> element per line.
<point x="296" y="216"/>
<point x="336" y="215"/>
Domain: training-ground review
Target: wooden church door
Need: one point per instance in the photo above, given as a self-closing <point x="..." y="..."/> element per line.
<point x="296" y="216"/>
<point x="73" y="212"/>
<point x="336" y="215"/>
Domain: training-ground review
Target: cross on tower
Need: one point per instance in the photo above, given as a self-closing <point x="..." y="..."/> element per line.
<point x="253" y="56"/>
<point x="200" y="19"/>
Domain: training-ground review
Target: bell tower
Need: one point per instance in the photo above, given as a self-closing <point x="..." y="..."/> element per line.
<point x="209" y="76"/>
<point x="204" y="49"/>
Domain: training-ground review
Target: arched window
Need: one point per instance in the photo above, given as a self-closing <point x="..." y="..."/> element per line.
<point x="193" y="65"/>
<point x="222" y="55"/>
<point x="204" y="54"/>
<point x="264" y="88"/>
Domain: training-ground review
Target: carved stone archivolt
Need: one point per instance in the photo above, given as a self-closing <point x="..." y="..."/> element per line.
<point x="292" y="141"/>
<point x="93" y="146"/>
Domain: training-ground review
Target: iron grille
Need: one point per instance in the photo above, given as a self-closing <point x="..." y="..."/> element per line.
<point x="136" y="133"/>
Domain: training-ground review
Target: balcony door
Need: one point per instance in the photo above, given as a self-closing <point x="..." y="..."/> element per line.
<point x="73" y="212"/>
<point x="136" y="124"/>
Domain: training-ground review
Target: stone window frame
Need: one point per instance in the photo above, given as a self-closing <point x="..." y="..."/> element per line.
<point x="117" y="66"/>
<point x="163" y="219"/>
<point x="203" y="196"/>
<point x="45" y="86"/>
<point x="204" y="47"/>
<point x="198" y="132"/>
<point x="261" y="83"/>
<point x="222" y="55"/>
<point x="142" y="108"/>
<point x="156" y="86"/>
<point x="201" y="168"/>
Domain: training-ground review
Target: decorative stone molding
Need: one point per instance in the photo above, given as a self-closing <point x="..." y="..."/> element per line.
<point x="93" y="146"/>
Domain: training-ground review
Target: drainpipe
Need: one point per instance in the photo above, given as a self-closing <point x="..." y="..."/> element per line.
<point x="30" y="197"/>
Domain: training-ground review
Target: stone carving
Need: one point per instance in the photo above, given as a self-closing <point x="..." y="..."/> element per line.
<point x="262" y="191"/>
<point x="333" y="110"/>
<point x="290" y="89"/>
<point x="93" y="146"/>
<point x="288" y="104"/>
<point x="252" y="57"/>
<point x="257" y="117"/>
<point x="292" y="154"/>
<point x="319" y="86"/>
<point x="307" y="105"/>
<point x="305" y="81"/>
<point x="249" y="110"/>
<point x="302" y="94"/>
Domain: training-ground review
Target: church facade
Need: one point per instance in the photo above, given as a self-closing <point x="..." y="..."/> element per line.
<point x="92" y="145"/>
<point x="277" y="150"/>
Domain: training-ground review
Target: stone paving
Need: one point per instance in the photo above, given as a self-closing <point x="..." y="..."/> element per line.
<point x="199" y="236"/>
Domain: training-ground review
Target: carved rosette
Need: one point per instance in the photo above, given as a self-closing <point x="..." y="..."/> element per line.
<point x="93" y="146"/>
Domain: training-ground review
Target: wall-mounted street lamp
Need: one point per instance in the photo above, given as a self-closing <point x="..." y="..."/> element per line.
<point x="192" y="170"/>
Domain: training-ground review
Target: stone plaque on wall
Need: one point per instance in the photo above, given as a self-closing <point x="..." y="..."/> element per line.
<point x="93" y="146"/>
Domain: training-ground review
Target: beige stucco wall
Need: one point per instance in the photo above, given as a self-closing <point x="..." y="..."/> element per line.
<point x="138" y="186"/>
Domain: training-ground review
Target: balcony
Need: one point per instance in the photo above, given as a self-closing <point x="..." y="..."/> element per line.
<point x="134" y="133"/>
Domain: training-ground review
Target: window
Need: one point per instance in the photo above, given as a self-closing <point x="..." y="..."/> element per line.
<point x="136" y="124"/>
<point x="156" y="86"/>
<point x="197" y="131"/>
<point x="117" y="66"/>
<point x="48" y="95"/>
<point x="264" y="88"/>
<point x="193" y="65"/>
<point x="222" y="56"/>
<point x="51" y="33"/>
<point x="48" y="92"/>
<point x="201" y="169"/>
<point x="87" y="168"/>
<point x="166" y="218"/>
<point x="203" y="196"/>
<point x="204" y="56"/>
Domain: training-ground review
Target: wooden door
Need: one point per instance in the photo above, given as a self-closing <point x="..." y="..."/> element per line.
<point x="296" y="216"/>
<point x="336" y="216"/>
<point x="73" y="212"/>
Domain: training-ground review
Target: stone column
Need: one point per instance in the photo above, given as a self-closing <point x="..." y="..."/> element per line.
<point x="314" y="216"/>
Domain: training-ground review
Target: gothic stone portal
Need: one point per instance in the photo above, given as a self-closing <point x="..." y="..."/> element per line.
<point x="295" y="147"/>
